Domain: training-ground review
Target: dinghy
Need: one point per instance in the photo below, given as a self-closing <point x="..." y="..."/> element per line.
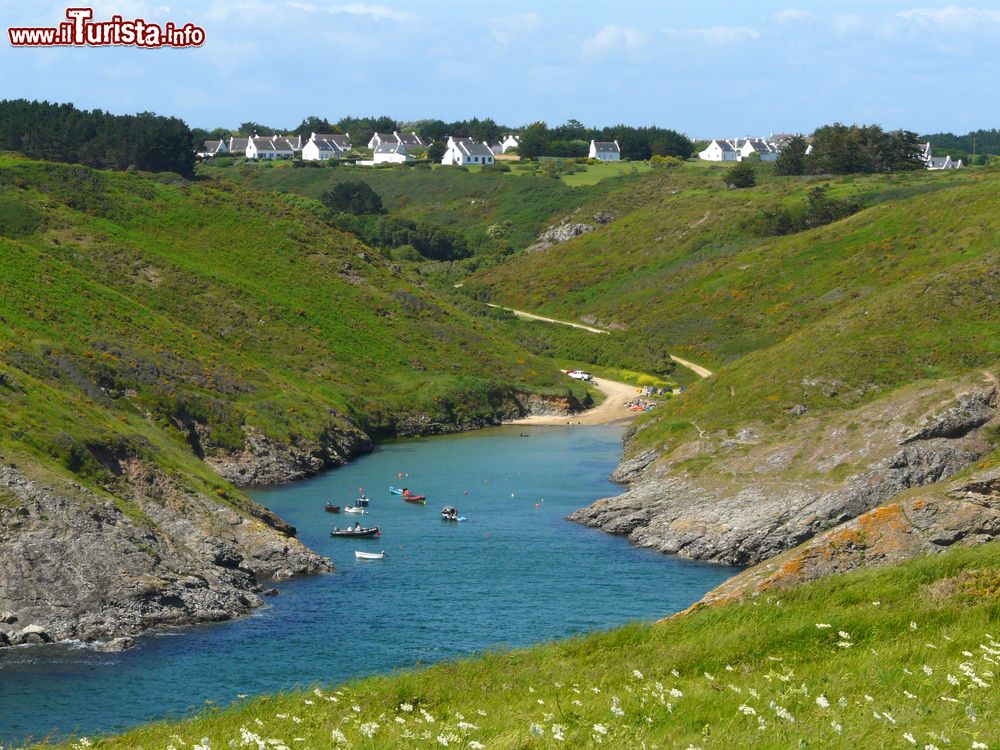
<point x="369" y="532"/>
<point x="331" y="508"/>
<point x="356" y="511"/>
<point x="359" y="555"/>
<point x="396" y="491"/>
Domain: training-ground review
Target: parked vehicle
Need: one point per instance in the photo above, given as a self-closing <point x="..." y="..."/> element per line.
<point x="580" y="375"/>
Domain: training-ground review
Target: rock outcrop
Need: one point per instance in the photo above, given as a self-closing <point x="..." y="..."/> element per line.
<point x="965" y="512"/>
<point x="76" y="564"/>
<point x="767" y="493"/>
<point x="559" y="233"/>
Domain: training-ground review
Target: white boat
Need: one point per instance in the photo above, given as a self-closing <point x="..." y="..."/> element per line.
<point x="356" y="511"/>
<point x="359" y="555"/>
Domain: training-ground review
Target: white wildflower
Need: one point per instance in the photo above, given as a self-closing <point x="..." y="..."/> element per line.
<point x="822" y="702"/>
<point x="536" y="730"/>
<point x="782" y="713"/>
<point x="844" y="644"/>
<point x="616" y="708"/>
<point x="475" y="745"/>
<point x="761" y="724"/>
<point x="909" y="695"/>
<point x="600" y="729"/>
<point x="913" y="625"/>
<point x="406" y="707"/>
<point x="709" y="677"/>
<point x="481" y="712"/>
<point x="637" y="674"/>
<point x="442" y="740"/>
<point x="927" y="670"/>
<point x="338" y="737"/>
<point x="540" y="702"/>
<point x="557" y="732"/>
<point x="844" y="634"/>
<point x="400" y="720"/>
<point x="466" y="726"/>
<point x="368" y="729"/>
<point x="822" y="625"/>
<point x="889" y="718"/>
<point x="842" y="702"/>
<point x="836" y="727"/>
<point x="753" y="692"/>
<point x="952" y="679"/>
<point x="675" y="693"/>
<point x="309" y="702"/>
<point x="675" y="673"/>
<point x="980" y="746"/>
<point x="747" y="710"/>
<point x="909" y="738"/>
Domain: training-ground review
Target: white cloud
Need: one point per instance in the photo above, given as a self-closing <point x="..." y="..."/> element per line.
<point x="952" y="18"/>
<point x="792" y="15"/>
<point x="375" y="12"/>
<point x="717" y="34"/>
<point x="506" y="29"/>
<point x="614" y="39"/>
<point x="849" y="24"/>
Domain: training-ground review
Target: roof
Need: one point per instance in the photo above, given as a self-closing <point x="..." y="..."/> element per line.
<point x="273" y="144"/>
<point x="496" y="148"/>
<point x="606" y="147"/>
<point x="238" y="144"/>
<point x="211" y="146"/>
<point x="411" y="139"/>
<point x="390" y="148"/>
<point x="386" y="137"/>
<point x="330" y="141"/>
<point x="723" y="144"/>
<point x="471" y="147"/>
<point x="343" y="140"/>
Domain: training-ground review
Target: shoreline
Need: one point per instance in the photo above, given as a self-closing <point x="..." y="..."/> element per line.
<point x="610" y="411"/>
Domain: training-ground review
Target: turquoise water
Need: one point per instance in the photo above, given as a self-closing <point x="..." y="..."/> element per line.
<point x="515" y="573"/>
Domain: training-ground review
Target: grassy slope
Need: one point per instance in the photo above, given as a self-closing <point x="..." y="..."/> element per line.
<point x="918" y="656"/>
<point x="469" y="201"/>
<point x="130" y="305"/>
<point x="901" y="291"/>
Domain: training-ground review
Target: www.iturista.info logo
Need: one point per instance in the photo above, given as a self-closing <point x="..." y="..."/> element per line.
<point x="81" y="30"/>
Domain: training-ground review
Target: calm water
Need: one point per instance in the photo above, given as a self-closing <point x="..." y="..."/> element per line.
<point x="512" y="575"/>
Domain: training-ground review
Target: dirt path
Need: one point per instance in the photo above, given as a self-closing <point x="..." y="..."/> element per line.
<point x="698" y="370"/>
<point x="532" y="316"/>
<point x="611" y="409"/>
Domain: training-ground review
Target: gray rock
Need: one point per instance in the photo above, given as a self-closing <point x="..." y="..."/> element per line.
<point x="115" y="645"/>
<point x="559" y="233"/>
<point x="78" y="568"/>
<point x="8" y="617"/>
<point x="798" y="410"/>
<point x="603" y="217"/>
<point x="751" y="517"/>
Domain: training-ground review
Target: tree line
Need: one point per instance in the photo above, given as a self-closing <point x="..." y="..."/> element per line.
<point x="61" y="132"/>
<point x="851" y="149"/>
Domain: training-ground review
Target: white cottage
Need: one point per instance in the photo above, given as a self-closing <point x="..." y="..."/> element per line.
<point x="719" y="150"/>
<point x="323" y="146"/>
<point x="509" y="142"/>
<point x="605" y="151"/>
<point x="937" y="163"/>
<point x="270" y="147"/>
<point x="747" y="146"/>
<point x="465" y="152"/>
<point x="212" y="148"/>
<point x="407" y="140"/>
<point x="391" y="153"/>
<point x="238" y="145"/>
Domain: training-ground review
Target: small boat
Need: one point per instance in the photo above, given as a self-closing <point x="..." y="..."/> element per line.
<point x="396" y="490"/>
<point x="357" y="533"/>
<point x="361" y="502"/>
<point x="356" y="511"/>
<point x="331" y="508"/>
<point x="359" y="555"/>
<point x="418" y="499"/>
<point x="450" y="513"/>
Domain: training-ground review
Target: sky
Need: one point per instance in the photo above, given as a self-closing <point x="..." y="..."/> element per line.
<point x="707" y="69"/>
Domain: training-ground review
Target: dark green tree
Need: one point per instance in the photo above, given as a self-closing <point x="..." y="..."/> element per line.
<point x="534" y="141"/>
<point x="792" y="159"/>
<point x="741" y="176"/>
<point x="353" y="197"/>
<point x="435" y="152"/>
<point x="313" y="124"/>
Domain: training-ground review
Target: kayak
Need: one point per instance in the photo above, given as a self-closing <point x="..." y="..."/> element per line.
<point x="395" y="491"/>
<point x="359" y="555"/>
<point x="417" y="499"/>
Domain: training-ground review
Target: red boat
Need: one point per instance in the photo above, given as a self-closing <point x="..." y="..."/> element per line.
<point x="331" y="508"/>
<point x="411" y="498"/>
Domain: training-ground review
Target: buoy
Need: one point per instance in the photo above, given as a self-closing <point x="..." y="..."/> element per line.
<point x="536" y="506"/>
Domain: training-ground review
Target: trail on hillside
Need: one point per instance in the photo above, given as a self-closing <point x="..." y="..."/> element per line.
<point x="611" y="409"/>
<point x="702" y="372"/>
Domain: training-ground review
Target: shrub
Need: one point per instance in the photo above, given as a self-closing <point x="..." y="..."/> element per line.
<point x="741" y="176"/>
<point x="354" y="197"/>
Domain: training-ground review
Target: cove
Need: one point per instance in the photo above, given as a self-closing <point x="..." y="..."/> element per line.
<point x="514" y="574"/>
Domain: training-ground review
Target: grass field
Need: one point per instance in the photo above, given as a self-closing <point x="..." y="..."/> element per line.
<point x="891" y="658"/>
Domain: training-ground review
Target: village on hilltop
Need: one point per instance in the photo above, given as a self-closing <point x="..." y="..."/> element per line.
<point x="401" y="148"/>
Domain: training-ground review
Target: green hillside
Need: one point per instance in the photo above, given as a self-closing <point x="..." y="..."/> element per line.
<point x="902" y="290"/>
<point x="467" y="200"/>
<point x="165" y="317"/>
<point x="897" y="657"/>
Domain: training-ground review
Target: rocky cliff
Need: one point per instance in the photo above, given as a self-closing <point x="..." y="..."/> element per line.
<point x="744" y="498"/>
<point x="83" y="565"/>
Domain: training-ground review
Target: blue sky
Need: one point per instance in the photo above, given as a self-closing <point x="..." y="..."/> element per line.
<point x="705" y="68"/>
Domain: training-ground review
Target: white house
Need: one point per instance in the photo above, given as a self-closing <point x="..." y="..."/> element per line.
<point x="747" y="146"/>
<point x="270" y="147"/>
<point x="937" y="163"/>
<point x="323" y="146"/>
<point x="407" y="140"/>
<point x="508" y="142"/>
<point x="465" y="151"/>
<point x="605" y="151"/>
<point x="238" y="145"/>
<point x="212" y="148"/>
<point x="719" y="150"/>
<point x="393" y="153"/>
